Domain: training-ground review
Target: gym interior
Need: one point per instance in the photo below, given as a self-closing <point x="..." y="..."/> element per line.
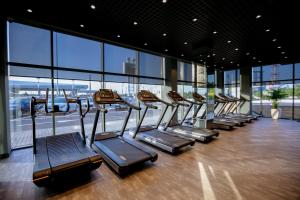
<point x="158" y="99"/>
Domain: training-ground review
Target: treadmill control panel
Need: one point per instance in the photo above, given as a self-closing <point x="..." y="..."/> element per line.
<point x="175" y="96"/>
<point x="198" y="97"/>
<point x="145" y="95"/>
<point x="107" y="96"/>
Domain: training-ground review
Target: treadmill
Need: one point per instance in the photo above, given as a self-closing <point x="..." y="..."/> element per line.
<point x="199" y="134"/>
<point x="64" y="154"/>
<point x="217" y="124"/>
<point x="120" y="153"/>
<point x="164" y="140"/>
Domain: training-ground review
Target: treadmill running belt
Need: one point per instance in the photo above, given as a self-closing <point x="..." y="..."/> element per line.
<point x="121" y="152"/>
<point x="188" y="130"/>
<point x="169" y="140"/>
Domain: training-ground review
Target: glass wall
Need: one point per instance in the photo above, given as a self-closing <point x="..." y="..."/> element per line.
<point x="79" y="66"/>
<point x="232" y="83"/>
<point x="267" y="78"/>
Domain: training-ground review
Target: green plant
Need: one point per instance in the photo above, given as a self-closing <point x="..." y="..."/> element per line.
<point x="275" y="95"/>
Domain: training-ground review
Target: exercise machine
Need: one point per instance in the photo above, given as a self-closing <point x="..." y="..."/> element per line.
<point x="164" y="140"/>
<point x="120" y="153"/>
<point x="60" y="154"/>
<point x="199" y="134"/>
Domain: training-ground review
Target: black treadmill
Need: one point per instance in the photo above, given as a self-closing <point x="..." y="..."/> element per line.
<point x="199" y="134"/>
<point x="119" y="152"/>
<point x="166" y="141"/>
<point x="60" y="154"/>
<point x="215" y="123"/>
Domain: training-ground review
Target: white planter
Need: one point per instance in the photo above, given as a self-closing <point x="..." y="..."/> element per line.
<point x="275" y="113"/>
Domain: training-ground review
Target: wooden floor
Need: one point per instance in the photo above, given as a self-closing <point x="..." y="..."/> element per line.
<point x="259" y="161"/>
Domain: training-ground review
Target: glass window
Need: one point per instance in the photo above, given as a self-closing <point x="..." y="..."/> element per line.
<point x="297" y="71"/>
<point x="186" y="90"/>
<point x="256" y="74"/>
<point x="76" y="52"/>
<point x="120" y="60"/>
<point x="211" y="80"/>
<point x="73" y="75"/>
<point x="151" y="65"/>
<point x="29" y="45"/>
<point x="277" y="72"/>
<point x="230" y="77"/>
<point x="256" y="98"/>
<point x="185" y="71"/>
<point x="29" y="72"/>
<point x="21" y="89"/>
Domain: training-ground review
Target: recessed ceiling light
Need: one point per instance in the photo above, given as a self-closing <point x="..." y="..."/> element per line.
<point x="208" y="56"/>
<point x="185" y="43"/>
<point x="135" y="23"/>
<point x="195" y="19"/>
<point x="285" y="57"/>
<point x="145" y="44"/>
<point x="238" y="65"/>
<point x="166" y="50"/>
<point x="274" y="40"/>
<point x="201" y="60"/>
<point x="231" y="62"/>
<point x="236" y="49"/>
<point x="164" y="34"/>
<point x="258" y="16"/>
<point x="164" y="1"/>
<point x="214" y="54"/>
<point x="81" y="25"/>
<point x="215" y="32"/>
<point x="282" y="52"/>
<point x="259" y="61"/>
<point x="29" y="10"/>
<point x="200" y="55"/>
<point x="182" y="55"/>
<point x="254" y="58"/>
<point x="93" y="7"/>
<point x="215" y="65"/>
<point x="222" y="67"/>
<point x="223" y="58"/>
<point x="118" y="36"/>
<point x="228" y="41"/>
<point x="279" y="47"/>
<point x="268" y="30"/>
<point x="247" y="53"/>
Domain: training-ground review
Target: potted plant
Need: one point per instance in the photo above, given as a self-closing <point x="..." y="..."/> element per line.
<point x="275" y="95"/>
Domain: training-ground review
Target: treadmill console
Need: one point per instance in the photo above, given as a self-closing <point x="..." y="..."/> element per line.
<point x="107" y="96"/>
<point x="198" y="97"/>
<point x="145" y="95"/>
<point x="175" y="96"/>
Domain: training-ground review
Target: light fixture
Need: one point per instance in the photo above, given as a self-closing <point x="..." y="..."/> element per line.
<point x="285" y="57"/>
<point x="228" y="41"/>
<point x="201" y="60"/>
<point x="222" y="67"/>
<point x="282" y="52"/>
<point x="254" y="58"/>
<point x="208" y="56"/>
<point x="118" y="36"/>
<point x="145" y="44"/>
<point x="223" y="58"/>
<point x="215" y="32"/>
<point x="231" y="62"/>
<point x="259" y="61"/>
<point x="247" y="53"/>
<point x="164" y="34"/>
<point x="214" y="54"/>
<point x="164" y="1"/>
<point x="268" y="30"/>
<point x="182" y="55"/>
<point x="200" y="55"/>
<point x="81" y="25"/>
<point x="93" y="7"/>
<point x="258" y="16"/>
<point x="279" y="47"/>
<point x="236" y="49"/>
<point x="215" y="65"/>
<point x="238" y="64"/>
<point x="274" y="40"/>
<point x="185" y="43"/>
<point x="166" y="50"/>
<point x="29" y="10"/>
<point x="195" y="19"/>
<point x="135" y="23"/>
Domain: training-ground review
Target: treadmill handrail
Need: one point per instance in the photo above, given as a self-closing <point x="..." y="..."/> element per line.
<point x="35" y="101"/>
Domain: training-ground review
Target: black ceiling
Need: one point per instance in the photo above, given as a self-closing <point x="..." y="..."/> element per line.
<point x="234" y="20"/>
